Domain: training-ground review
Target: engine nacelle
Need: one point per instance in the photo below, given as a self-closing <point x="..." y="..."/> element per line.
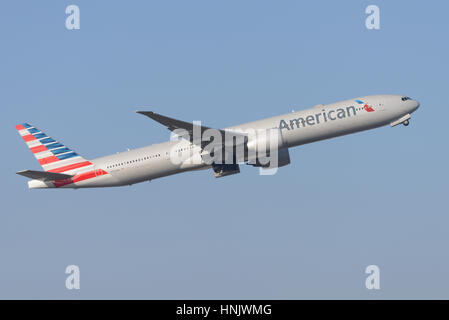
<point x="274" y="161"/>
<point x="261" y="141"/>
<point x="267" y="148"/>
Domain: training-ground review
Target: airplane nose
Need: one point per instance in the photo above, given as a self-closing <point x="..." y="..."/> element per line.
<point x="415" y="105"/>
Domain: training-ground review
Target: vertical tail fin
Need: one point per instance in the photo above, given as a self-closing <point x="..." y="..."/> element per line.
<point x="52" y="155"/>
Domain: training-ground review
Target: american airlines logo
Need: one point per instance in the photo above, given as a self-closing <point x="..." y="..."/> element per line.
<point x="367" y="107"/>
<point x="323" y="116"/>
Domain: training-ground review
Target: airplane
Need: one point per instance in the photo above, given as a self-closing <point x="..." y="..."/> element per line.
<point x="189" y="150"/>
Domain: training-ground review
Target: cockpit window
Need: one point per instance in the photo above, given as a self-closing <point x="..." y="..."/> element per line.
<point x="405" y="98"/>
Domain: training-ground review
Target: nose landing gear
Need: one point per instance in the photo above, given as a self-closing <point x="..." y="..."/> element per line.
<point x="404" y="120"/>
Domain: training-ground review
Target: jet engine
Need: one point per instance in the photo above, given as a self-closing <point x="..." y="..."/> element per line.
<point x="267" y="148"/>
<point x="282" y="159"/>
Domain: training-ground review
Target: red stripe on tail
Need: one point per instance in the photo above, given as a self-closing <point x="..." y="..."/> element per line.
<point x="28" y="137"/>
<point x="38" y="149"/>
<point x="80" y="177"/>
<point x="48" y="160"/>
<point x="71" y="167"/>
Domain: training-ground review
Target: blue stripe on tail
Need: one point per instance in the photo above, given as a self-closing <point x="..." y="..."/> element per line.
<point x="67" y="155"/>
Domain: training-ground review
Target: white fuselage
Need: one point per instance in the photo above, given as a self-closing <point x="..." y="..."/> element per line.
<point x="297" y="128"/>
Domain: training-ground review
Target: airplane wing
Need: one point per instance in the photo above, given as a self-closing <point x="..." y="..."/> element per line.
<point x="173" y="124"/>
<point x="44" y="176"/>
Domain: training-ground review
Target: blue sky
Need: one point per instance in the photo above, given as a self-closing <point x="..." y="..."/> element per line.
<point x="377" y="197"/>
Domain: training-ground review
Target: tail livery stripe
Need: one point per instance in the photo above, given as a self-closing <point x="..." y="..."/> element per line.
<point x="80" y="177"/>
<point x="33" y="143"/>
<point x="33" y="130"/>
<point x="47" y="140"/>
<point x="60" y="150"/>
<point x="71" y="167"/>
<point x="67" y="155"/>
<point x="28" y="137"/>
<point x="43" y="154"/>
<point x="50" y="152"/>
<point x="47" y="160"/>
<point x="39" y="135"/>
<point x="54" y="145"/>
<point x="38" y="149"/>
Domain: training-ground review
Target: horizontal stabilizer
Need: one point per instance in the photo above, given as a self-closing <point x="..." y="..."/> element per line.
<point x="44" y="176"/>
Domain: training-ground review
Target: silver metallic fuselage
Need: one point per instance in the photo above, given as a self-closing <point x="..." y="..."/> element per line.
<point x="297" y="128"/>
